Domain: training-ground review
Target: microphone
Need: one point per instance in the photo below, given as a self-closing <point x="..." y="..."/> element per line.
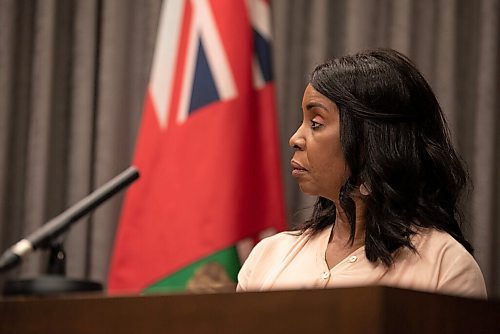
<point x="54" y="227"/>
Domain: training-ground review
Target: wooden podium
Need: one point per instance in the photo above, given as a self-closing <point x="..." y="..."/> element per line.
<point x="349" y="310"/>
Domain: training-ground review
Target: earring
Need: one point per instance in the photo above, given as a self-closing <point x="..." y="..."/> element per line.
<point x="363" y="190"/>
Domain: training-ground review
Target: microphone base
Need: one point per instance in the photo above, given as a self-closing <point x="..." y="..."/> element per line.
<point x="47" y="285"/>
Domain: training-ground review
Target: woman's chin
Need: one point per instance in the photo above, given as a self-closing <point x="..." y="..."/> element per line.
<point x="314" y="190"/>
<point x="308" y="189"/>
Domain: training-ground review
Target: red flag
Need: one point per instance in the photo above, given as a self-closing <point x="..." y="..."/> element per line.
<point x="207" y="148"/>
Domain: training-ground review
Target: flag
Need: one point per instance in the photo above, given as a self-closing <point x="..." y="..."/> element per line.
<point x="207" y="149"/>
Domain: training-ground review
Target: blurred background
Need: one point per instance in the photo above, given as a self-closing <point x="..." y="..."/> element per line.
<point x="73" y="75"/>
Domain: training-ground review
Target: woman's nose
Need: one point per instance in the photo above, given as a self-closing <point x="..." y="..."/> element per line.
<point x="296" y="140"/>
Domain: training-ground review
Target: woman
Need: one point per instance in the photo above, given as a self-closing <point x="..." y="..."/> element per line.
<point x="374" y="146"/>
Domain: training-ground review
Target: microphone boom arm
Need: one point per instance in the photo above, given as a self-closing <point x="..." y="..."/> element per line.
<point x="56" y="226"/>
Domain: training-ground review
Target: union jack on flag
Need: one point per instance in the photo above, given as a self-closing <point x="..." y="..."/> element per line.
<point x="207" y="147"/>
<point x="197" y="51"/>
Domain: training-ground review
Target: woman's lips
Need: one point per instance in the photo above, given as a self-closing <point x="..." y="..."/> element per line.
<point x="297" y="168"/>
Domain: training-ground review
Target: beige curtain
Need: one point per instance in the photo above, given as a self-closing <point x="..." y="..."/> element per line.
<point x="72" y="81"/>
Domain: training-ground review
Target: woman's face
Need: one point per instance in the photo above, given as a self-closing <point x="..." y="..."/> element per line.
<point x="318" y="163"/>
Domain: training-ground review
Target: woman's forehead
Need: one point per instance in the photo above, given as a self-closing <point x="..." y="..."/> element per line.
<point x="312" y="98"/>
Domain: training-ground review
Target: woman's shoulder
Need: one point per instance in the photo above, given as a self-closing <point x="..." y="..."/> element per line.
<point x="459" y="272"/>
<point x="274" y="246"/>
<point x="437" y="241"/>
<point x="267" y="254"/>
<point x="279" y="240"/>
<point x="439" y="245"/>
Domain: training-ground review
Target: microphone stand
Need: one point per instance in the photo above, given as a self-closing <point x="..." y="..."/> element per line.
<point x="55" y="281"/>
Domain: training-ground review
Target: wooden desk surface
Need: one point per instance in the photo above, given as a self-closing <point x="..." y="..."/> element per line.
<point x="349" y="310"/>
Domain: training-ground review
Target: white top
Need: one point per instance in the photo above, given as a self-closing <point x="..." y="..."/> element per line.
<point x="290" y="261"/>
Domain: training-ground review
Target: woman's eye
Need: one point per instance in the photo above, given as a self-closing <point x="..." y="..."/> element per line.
<point x="315" y="125"/>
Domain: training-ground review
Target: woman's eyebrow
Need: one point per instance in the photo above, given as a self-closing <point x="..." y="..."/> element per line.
<point x="312" y="105"/>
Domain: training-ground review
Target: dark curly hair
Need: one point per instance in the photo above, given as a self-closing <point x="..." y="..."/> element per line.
<point x="396" y="142"/>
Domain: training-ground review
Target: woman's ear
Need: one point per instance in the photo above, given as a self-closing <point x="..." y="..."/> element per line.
<point x="363" y="189"/>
